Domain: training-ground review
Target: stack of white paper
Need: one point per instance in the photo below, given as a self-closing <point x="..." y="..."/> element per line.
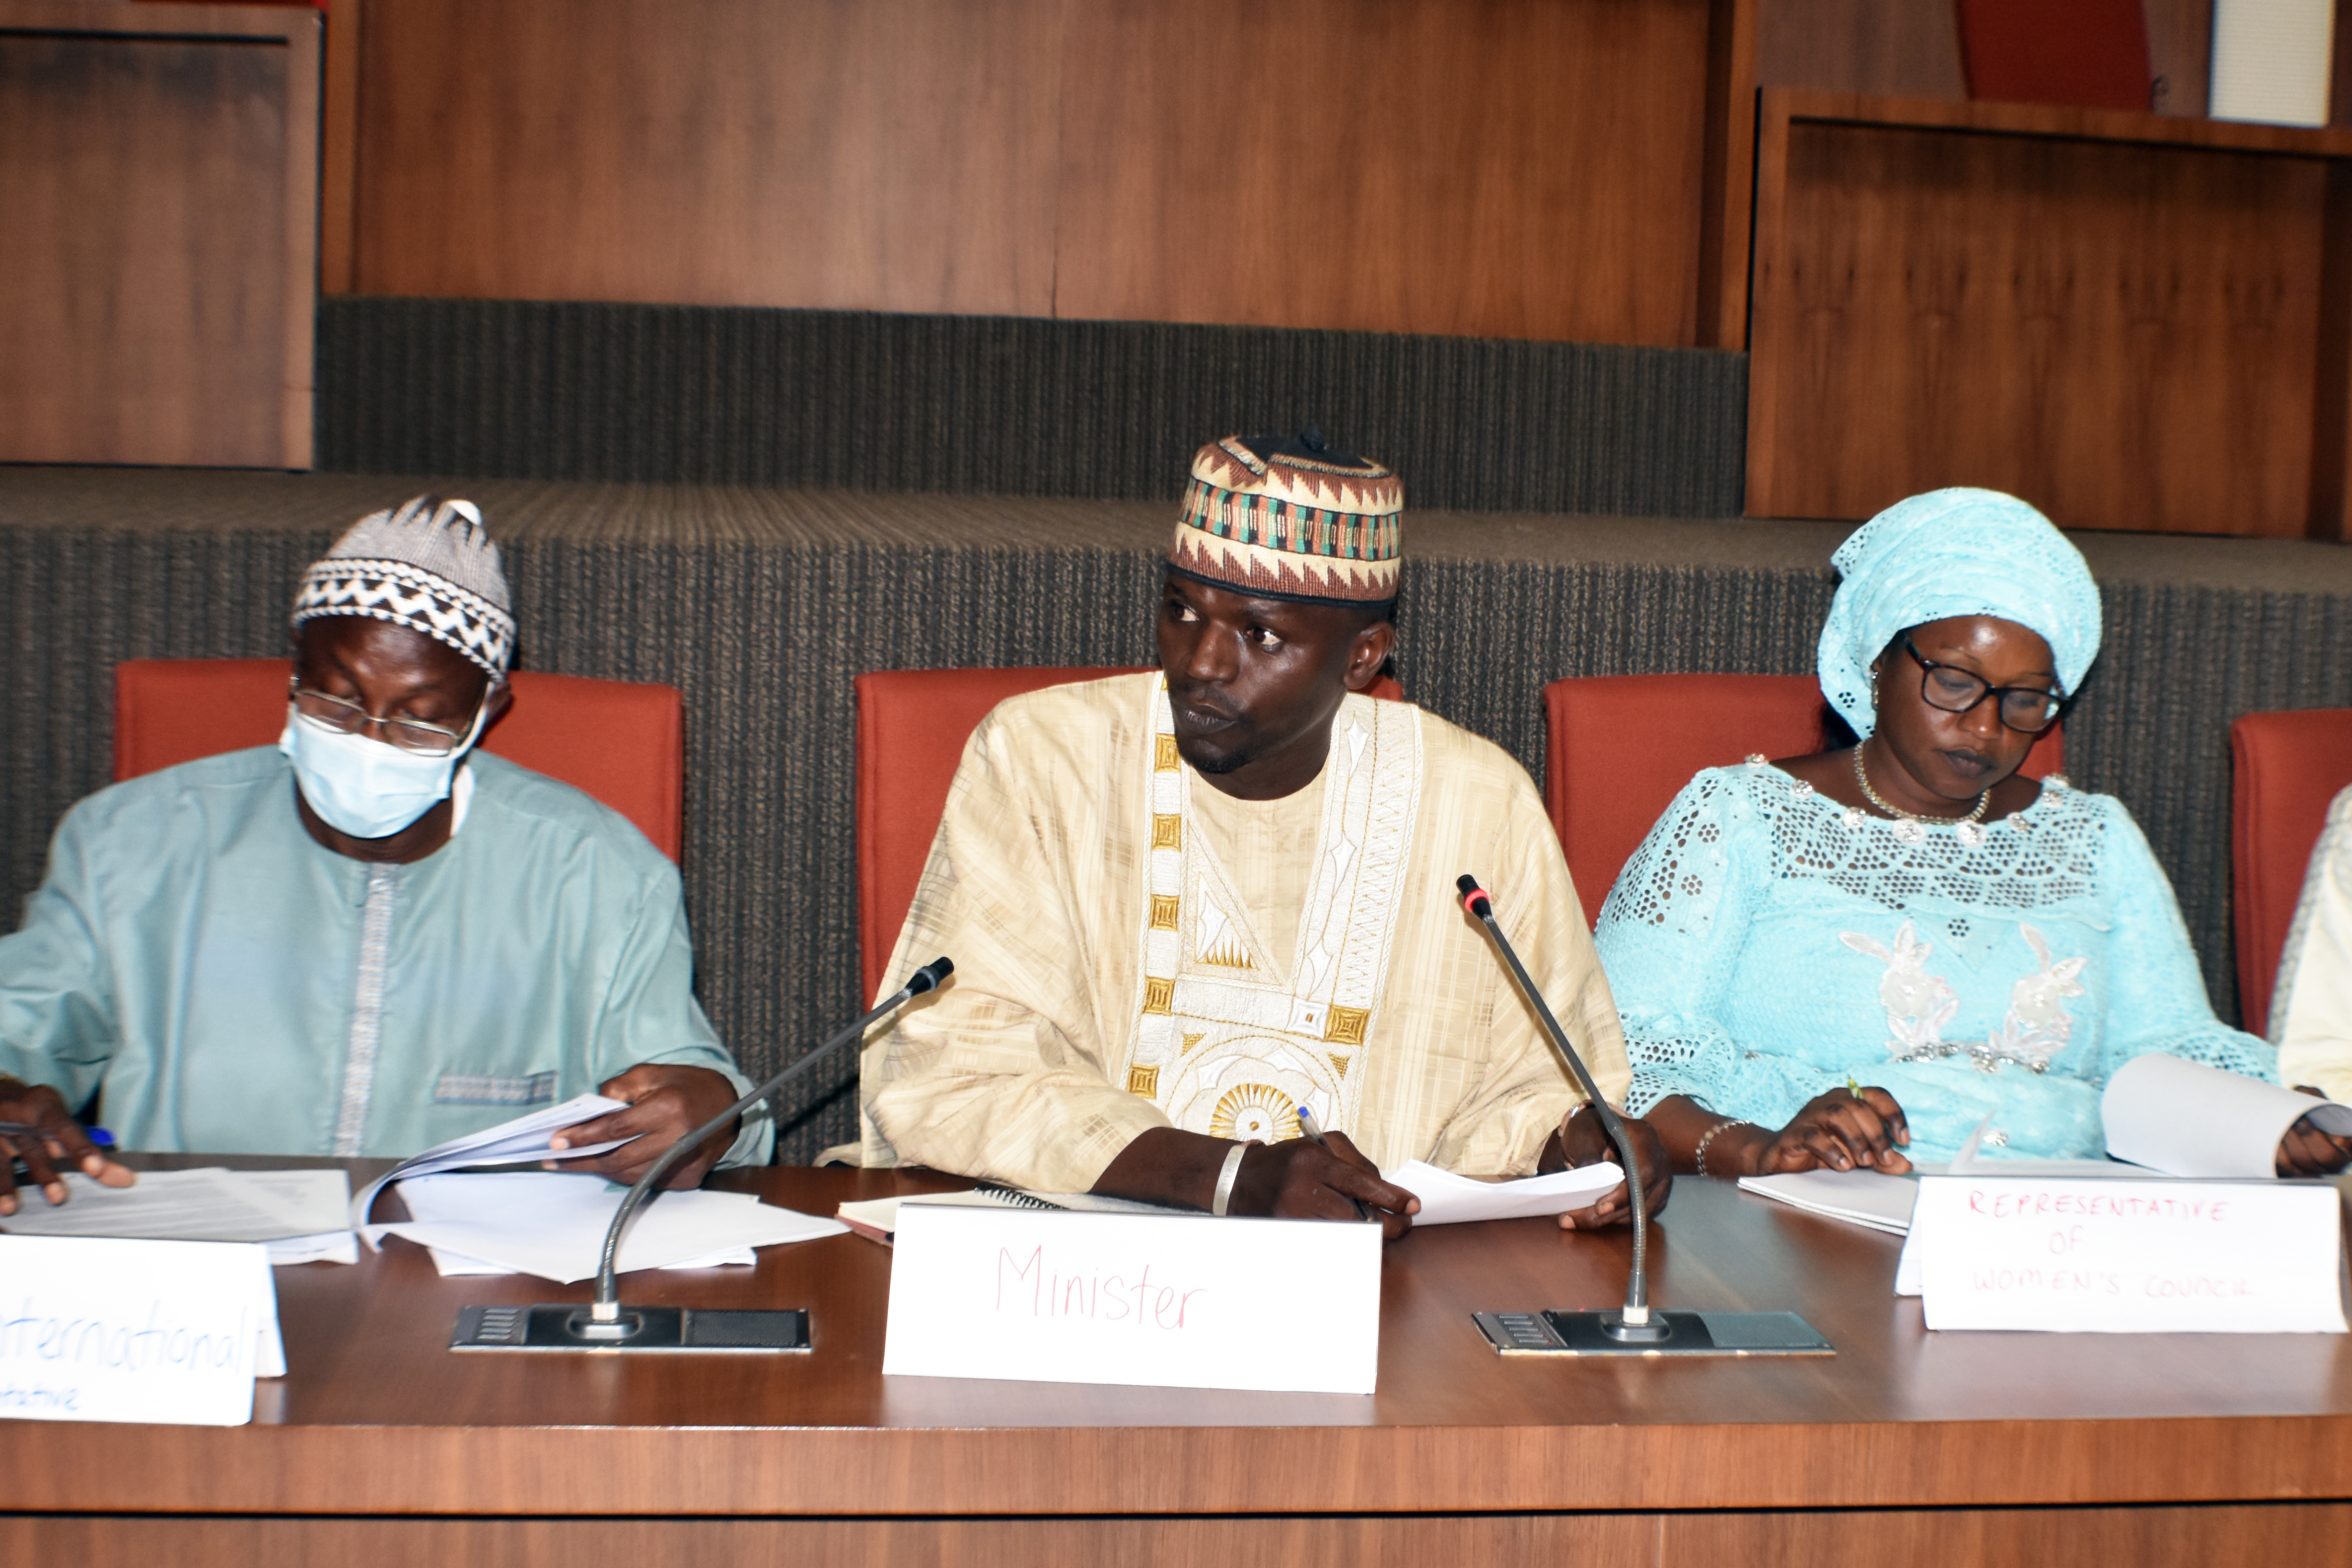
<point x="300" y="1215"/>
<point x="1870" y="1198"/>
<point x="1448" y="1199"/>
<point x="553" y="1225"/>
<point x="522" y="1141"/>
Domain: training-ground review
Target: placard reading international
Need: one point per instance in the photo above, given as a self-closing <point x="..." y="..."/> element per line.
<point x="171" y="1331"/>
<point x="1172" y="1301"/>
<point x="2120" y="1257"/>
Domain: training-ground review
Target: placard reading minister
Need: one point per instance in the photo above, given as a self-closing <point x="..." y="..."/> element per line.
<point x="1198" y="912"/>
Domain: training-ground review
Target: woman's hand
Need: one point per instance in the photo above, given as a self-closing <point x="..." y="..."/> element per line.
<point x="1845" y="1130"/>
<point x="2306" y="1150"/>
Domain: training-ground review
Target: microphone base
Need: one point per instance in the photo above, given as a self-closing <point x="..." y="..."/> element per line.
<point x="562" y="1326"/>
<point x="1564" y="1333"/>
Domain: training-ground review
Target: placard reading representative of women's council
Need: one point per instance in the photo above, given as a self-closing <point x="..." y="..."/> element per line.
<point x="1173" y="1300"/>
<point x="167" y="1331"/>
<point x="2094" y="1255"/>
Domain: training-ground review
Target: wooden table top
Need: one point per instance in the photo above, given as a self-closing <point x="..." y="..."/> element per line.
<point x="377" y="1415"/>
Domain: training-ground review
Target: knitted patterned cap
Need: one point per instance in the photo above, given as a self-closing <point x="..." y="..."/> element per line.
<point x="1278" y="518"/>
<point x="429" y="566"/>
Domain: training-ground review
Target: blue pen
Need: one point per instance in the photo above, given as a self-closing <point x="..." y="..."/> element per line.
<point x="97" y="1135"/>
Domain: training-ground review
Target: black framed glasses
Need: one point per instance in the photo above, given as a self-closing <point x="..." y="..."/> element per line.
<point x="2028" y="710"/>
<point x="345" y="717"/>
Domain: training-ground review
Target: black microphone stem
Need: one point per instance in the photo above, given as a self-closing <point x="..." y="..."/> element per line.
<point x="606" y="1313"/>
<point x="1637" y="1284"/>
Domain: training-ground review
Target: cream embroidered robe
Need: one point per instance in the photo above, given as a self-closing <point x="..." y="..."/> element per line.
<point x="1114" y="972"/>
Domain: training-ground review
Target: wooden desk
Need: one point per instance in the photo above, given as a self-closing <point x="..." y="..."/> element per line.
<point x="1905" y="1448"/>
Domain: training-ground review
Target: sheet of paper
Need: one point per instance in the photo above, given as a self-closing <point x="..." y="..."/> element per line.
<point x="553" y="1225"/>
<point x="2189" y="1120"/>
<point x="208" y="1205"/>
<point x="109" y="1329"/>
<point x="521" y="1142"/>
<point x="327" y="1246"/>
<point x="450" y="1264"/>
<point x="2108" y="1256"/>
<point x="1448" y="1199"/>
<point x="1166" y="1300"/>
<point x="1872" y="1198"/>
<point x="878" y="1217"/>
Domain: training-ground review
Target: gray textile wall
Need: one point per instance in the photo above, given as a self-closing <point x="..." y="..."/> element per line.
<point x="1005" y="405"/>
<point x="764" y="604"/>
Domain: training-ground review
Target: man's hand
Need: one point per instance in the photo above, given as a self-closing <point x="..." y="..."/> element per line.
<point x="60" y="1143"/>
<point x="665" y="1103"/>
<point x="1296" y="1179"/>
<point x="1839" y="1130"/>
<point x="2306" y="1150"/>
<point x="1300" y="1179"/>
<point x="1583" y="1141"/>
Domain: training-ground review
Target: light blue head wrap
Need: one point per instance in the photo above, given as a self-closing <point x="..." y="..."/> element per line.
<point x="1954" y="553"/>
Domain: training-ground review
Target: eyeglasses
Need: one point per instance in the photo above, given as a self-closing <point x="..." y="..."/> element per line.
<point x="345" y="717"/>
<point x="2028" y="710"/>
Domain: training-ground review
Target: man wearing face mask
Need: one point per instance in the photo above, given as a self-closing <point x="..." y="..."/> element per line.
<point x="371" y="938"/>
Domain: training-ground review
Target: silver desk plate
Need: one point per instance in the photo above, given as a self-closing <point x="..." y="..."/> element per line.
<point x="667" y="1331"/>
<point x="1553" y="1333"/>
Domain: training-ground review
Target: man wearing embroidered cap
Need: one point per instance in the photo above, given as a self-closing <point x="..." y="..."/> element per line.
<point x="1198" y="913"/>
<point x="369" y="938"/>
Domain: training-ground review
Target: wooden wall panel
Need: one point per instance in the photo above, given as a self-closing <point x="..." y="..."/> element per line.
<point x="1478" y="167"/>
<point x="1912" y="48"/>
<point x="1909" y="47"/>
<point x="1512" y="168"/>
<point x="157" y="199"/>
<point x="876" y="154"/>
<point x="2123" y="335"/>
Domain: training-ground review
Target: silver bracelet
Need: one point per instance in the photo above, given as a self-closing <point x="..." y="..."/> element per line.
<point x="1703" y="1143"/>
<point x="1226" y="1177"/>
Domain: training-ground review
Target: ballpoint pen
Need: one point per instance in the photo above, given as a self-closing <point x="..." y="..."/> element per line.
<point x="1307" y="1126"/>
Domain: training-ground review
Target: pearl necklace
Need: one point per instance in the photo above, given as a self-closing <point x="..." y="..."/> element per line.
<point x="1870" y="795"/>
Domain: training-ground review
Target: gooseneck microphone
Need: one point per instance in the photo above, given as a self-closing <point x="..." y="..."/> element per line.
<point x="1634" y="1324"/>
<point x="604" y="1325"/>
<point x="607" y="1307"/>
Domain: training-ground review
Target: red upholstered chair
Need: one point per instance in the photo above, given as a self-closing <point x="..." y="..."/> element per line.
<point x="1620" y="747"/>
<point x="2284" y="769"/>
<point x="622" y="741"/>
<point x="911" y="727"/>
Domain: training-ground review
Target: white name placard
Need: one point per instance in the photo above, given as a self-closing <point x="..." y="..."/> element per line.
<point x="2126" y="1257"/>
<point x="171" y="1331"/>
<point x="1172" y="1301"/>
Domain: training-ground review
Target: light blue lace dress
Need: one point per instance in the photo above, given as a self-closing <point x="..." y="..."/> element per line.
<point x="1765" y="942"/>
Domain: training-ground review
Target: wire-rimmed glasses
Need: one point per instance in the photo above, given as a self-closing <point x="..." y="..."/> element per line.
<point x="344" y="717"/>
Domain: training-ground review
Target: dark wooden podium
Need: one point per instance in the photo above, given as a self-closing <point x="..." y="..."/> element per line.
<point x="1905" y="1448"/>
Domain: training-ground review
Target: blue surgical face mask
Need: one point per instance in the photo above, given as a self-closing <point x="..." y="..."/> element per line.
<point x="369" y="788"/>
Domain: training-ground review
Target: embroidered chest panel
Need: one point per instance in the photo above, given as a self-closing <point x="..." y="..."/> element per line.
<point x="1224" y="1043"/>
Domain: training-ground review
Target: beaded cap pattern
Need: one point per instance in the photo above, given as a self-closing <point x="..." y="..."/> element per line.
<point x="428" y="565"/>
<point x="1954" y="553"/>
<point x="1272" y="519"/>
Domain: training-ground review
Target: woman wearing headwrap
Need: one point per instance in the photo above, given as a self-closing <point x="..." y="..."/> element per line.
<point x="1844" y="959"/>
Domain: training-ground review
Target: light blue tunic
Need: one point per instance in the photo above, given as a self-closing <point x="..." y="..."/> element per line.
<point x="1766" y="942"/>
<point x="234" y="987"/>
